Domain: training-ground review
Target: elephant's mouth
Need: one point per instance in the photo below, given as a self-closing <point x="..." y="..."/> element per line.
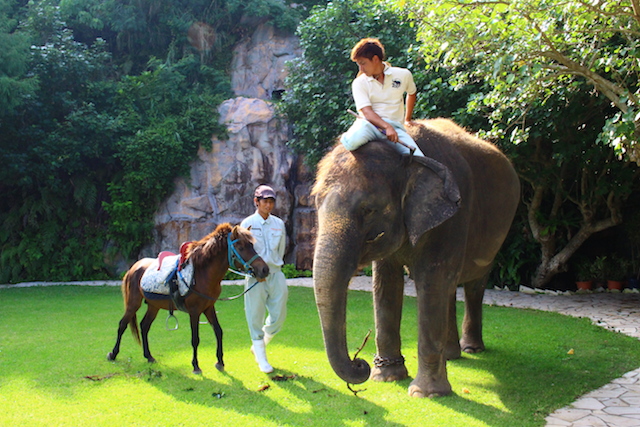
<point x="375" y="239"/>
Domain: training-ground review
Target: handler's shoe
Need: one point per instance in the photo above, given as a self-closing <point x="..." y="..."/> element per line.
<point x="259" y="351"/>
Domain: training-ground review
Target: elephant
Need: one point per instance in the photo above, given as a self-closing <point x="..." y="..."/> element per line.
<point x="442" y="217"/>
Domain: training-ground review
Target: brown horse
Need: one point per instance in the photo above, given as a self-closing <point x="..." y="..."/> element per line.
<point x="211" y="257"/>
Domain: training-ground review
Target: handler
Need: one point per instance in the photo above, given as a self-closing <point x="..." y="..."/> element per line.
<point x="272" y="294"/>
<point x="378" y="92"/>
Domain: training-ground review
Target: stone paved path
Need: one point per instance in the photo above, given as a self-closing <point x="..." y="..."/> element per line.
<point x="615" y="405"/>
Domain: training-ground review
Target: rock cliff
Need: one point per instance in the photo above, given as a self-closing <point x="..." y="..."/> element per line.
<point x="222" y="179"/>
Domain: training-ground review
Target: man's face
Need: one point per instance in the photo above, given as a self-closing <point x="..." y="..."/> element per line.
<point x="265" y="206"/>
<point x="369" y="67"/>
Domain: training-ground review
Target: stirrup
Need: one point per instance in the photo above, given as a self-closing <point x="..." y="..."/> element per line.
<point x="166" y="323"/>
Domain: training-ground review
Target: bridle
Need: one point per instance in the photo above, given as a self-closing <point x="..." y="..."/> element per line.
<point x="234" y="257"/>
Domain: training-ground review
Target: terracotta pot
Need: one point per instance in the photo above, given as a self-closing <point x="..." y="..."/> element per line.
<point x="614" y="284"/>
<point x="584" y="285"/>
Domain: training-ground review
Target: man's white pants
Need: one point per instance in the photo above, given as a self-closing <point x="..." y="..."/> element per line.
<point x="268" y="296"/>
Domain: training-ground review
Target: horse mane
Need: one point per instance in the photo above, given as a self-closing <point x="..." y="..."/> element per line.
<point x="344" y="169"/>
<point x="212" y="244"/>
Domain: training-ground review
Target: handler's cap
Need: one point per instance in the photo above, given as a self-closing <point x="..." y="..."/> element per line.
<point x="264" y="192"/>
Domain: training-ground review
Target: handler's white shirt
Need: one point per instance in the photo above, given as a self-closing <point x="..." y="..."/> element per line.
<point x="387" y="100"/>
<point x="270" y="237"/>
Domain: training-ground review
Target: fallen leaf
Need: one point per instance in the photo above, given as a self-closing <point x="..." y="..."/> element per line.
<point x="263" y="387"/>
<point x="466" y="390"/>
<point x="570" y="351"/>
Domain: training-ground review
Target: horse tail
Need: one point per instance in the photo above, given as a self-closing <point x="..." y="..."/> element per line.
<point x="126" y="295"/>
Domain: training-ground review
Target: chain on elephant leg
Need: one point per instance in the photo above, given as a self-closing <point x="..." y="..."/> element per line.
<point x="388" y="369"/>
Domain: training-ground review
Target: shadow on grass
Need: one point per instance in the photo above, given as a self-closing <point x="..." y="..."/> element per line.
<point x="279" y="397"/>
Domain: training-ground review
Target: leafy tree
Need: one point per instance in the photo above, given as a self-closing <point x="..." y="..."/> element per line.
<point x="15" y="85"/>
<point x="560" y="98"/>
<point x="524" y="47"/>
<point x="166" y="119"/>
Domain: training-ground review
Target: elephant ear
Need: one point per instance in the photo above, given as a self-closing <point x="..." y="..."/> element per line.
<point x="431" y="196"/>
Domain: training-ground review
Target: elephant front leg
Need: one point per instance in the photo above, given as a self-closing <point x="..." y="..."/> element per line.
<point x="431" y="380"/>
<point x="472" y="341"/>
<point x="388" y="294"/>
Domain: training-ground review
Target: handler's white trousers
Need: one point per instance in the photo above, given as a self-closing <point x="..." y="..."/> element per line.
<point x="268" y="296"/>
<point x="362" y="131"/>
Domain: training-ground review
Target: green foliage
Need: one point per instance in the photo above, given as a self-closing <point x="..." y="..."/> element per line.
<point x="167" y="119"/>
<point x="15" y="84"/>
<point x="527" y="48"/>
<point x="290" y="272"/>
<point x="88" y="155"/>
<point x="516" y="261"/>
<point x="138" y="30"/>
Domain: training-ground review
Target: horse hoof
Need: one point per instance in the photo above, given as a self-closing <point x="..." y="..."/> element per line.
<point x="197" y="371"/>
<point x="220" y="367"/>
<point x="111" y="356"/>
<point x="151" y="360"/>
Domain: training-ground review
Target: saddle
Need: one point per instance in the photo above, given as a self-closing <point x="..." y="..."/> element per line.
<point x="172" y="279"/>
<point x="183" y="256"/>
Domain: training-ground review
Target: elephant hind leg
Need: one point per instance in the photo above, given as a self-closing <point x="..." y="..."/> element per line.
<point x="471" y="341"/>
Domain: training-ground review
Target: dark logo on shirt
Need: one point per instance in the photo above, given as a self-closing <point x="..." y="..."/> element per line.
<point x="395" y="84"/>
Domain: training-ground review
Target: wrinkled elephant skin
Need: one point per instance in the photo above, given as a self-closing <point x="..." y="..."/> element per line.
<point x="443" y="216"/>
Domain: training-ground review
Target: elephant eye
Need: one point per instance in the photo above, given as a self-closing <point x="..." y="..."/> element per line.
<point x="368" y="211"/>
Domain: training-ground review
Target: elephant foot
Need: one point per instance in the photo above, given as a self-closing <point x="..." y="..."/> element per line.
<point x="452" y="351"/>
<point x="471" y="346"/>
<point x="418" y="389"/>
<point x="388" y="369"/>
<point x="389" y="373"/>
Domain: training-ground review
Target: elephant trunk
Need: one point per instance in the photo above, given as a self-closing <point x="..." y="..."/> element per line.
<point x="334" y="265"/>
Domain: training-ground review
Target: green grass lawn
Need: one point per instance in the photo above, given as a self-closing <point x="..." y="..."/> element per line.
<point x="53" y="368"/>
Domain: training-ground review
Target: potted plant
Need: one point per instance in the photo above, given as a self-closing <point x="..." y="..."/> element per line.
<point x="616" y="269"/>
<point x="584" y="274"/>
<point x="598" y="272"/>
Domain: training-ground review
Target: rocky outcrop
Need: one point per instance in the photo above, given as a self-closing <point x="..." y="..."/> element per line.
<point x="258" y="67"/>
<point x="222" y="180"/>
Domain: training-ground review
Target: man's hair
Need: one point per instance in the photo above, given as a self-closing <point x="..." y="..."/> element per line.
<point x="368" y="48"/>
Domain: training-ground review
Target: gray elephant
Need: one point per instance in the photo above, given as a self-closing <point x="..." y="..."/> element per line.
<point x="443" y="217"/>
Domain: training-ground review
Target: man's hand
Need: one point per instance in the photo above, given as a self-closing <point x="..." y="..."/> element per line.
<point x="391" y="133"/>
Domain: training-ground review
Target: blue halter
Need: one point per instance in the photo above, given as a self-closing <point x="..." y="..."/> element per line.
<point x="234" y="256"/>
